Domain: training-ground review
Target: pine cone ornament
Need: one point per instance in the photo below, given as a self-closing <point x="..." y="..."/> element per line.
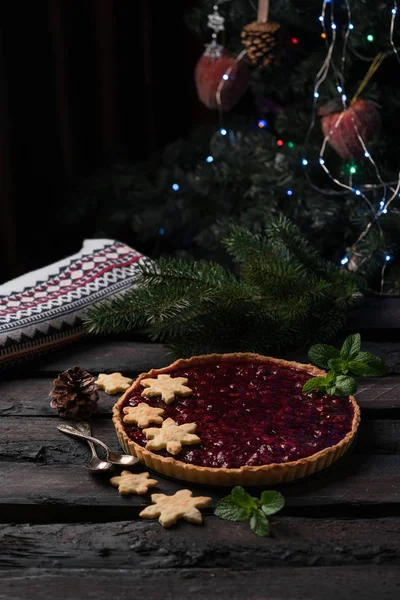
<point x="74" y="394"/>
<point x="220" y="79"/>
<point x="260" y="40"/>
<point x="343" y="128"/>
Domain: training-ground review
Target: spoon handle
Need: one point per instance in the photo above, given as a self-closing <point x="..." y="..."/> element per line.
<point x="75" y="432"/>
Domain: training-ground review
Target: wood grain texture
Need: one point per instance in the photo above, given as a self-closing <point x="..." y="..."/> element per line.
<point x="29" y="492"/>
<point x="145" y="544"/>
<point x="313" y="583"/>
<point x="44" y="444"/>
<point x="100" y="356"/>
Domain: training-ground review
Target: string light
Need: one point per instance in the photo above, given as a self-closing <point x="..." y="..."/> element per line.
<point x="392" y="22"/>
<point x="175" y="187"/>
<point x="387" y="258"/>
<point x="262" y="123"/>
<point x="295" y="41"/>
<point x="289" y="192"/>
<point x="353" y="169"/>
<point x="210" y="159"/>
<point x="320" y="78"/>
<point x="290" y="145"/>
<point x="223" y="131"/>
<point x="161" y="231"/>
<point x="344" y="260"/>
<point x="279" y="142"/>
<point x="225" y="76"/>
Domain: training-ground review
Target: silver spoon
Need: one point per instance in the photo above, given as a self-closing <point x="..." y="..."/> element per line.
<point x="115" y="458"/>
<point x="95" y="464"/>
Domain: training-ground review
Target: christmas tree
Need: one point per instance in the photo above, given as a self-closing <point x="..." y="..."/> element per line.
<point x="306" y="100"/>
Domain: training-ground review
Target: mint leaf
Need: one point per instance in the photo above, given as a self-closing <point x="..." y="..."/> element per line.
<point x="366" y="364"/>
<point x="271" y="502"/>
<point x="315" y="383"/>
<point x="351" y="347"/>
<point x="227" y="509"/>
<point x="339" y="366"/>
<point x="345" y="386"/>
<point x="242" y="498"/>
<point x="321" y="354"/>
<point x="259" y="523"/>
<point x="330" y="377"/>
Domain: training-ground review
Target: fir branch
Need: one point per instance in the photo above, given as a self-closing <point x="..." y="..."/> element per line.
<point x="276" y="302"/>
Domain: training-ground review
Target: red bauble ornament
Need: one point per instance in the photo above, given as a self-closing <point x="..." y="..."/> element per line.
<point x="220" y="80"/>
<point x="341" y="128"/>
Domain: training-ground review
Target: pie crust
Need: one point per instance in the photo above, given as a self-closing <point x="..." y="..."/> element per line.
<point x="268" y="474"/>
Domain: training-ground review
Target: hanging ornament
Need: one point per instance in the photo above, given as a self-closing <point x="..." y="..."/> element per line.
<point x="261" y="37"/>
<point x="344" y="130"/>
<point x="221" y="79"/>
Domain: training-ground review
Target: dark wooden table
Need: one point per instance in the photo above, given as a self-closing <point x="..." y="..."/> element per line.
<point x="65" y="533"/>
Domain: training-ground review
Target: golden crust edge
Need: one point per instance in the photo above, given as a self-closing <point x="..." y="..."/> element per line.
<point x="247" y="475"/>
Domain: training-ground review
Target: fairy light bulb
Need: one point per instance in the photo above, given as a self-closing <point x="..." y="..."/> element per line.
<point x="344" y="260"/>
<point x="370" y="38"/>
<point x="279" y="142"/>
<point x="316" y="95"/>
<point x="289" y="192"/>
<point x="225" y="76"/>
<point x="353" y="169"/>
<point x="223" y="131"/>
<point x="262" y="123"/>
<point x="290" y="145"/>
<point x="388" y="257"/>
<point x="304" y="162"/>
<point x="210" y="159"/>
<point x="175" y="187"/>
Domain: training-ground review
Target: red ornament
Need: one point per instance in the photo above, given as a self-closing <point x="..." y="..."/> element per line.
<point x="343" y="128"/>
<point x="220" y="80"/>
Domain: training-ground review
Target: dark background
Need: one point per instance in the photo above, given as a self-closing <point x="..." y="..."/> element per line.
<point x="81" y="83"/>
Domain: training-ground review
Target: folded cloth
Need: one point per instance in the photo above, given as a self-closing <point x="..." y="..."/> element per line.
<point x="43" y="309"/>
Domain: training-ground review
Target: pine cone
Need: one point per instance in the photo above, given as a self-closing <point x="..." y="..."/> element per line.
<point x="74" y="394"/>
<point x="260" y="40"/>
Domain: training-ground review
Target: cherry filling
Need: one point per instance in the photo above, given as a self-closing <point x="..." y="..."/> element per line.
<point x="250" y="414"/>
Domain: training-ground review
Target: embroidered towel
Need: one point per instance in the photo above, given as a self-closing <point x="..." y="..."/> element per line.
<point x="43" y="310"/>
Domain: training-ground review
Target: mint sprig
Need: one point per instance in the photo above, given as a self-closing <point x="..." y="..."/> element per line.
<point x="349" y="359"/>
<point x="240" y="506"/>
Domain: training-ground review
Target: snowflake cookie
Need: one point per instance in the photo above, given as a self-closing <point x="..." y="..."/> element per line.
<point x="142" y="415"/>
<point x="181" y="505"/>
<point x="166" y="387"/>
<point x="133" y="483"/>
<point x="114" y="383"/>
<point x="171" y="436"/>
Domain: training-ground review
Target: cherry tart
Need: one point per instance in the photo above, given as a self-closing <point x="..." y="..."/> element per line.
<point x="234" y="419"/>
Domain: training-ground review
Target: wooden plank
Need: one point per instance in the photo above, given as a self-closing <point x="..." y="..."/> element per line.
<point x="375" y="314"/>
<point x="103" y="356"/>
<point x="145" y="544"/>
<point x="313" y="583"/>
<point x="362" y="485"/>
<point x="130" y="357"/>
<point x="40" y="441"/>
<point x="29" y="397"/>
